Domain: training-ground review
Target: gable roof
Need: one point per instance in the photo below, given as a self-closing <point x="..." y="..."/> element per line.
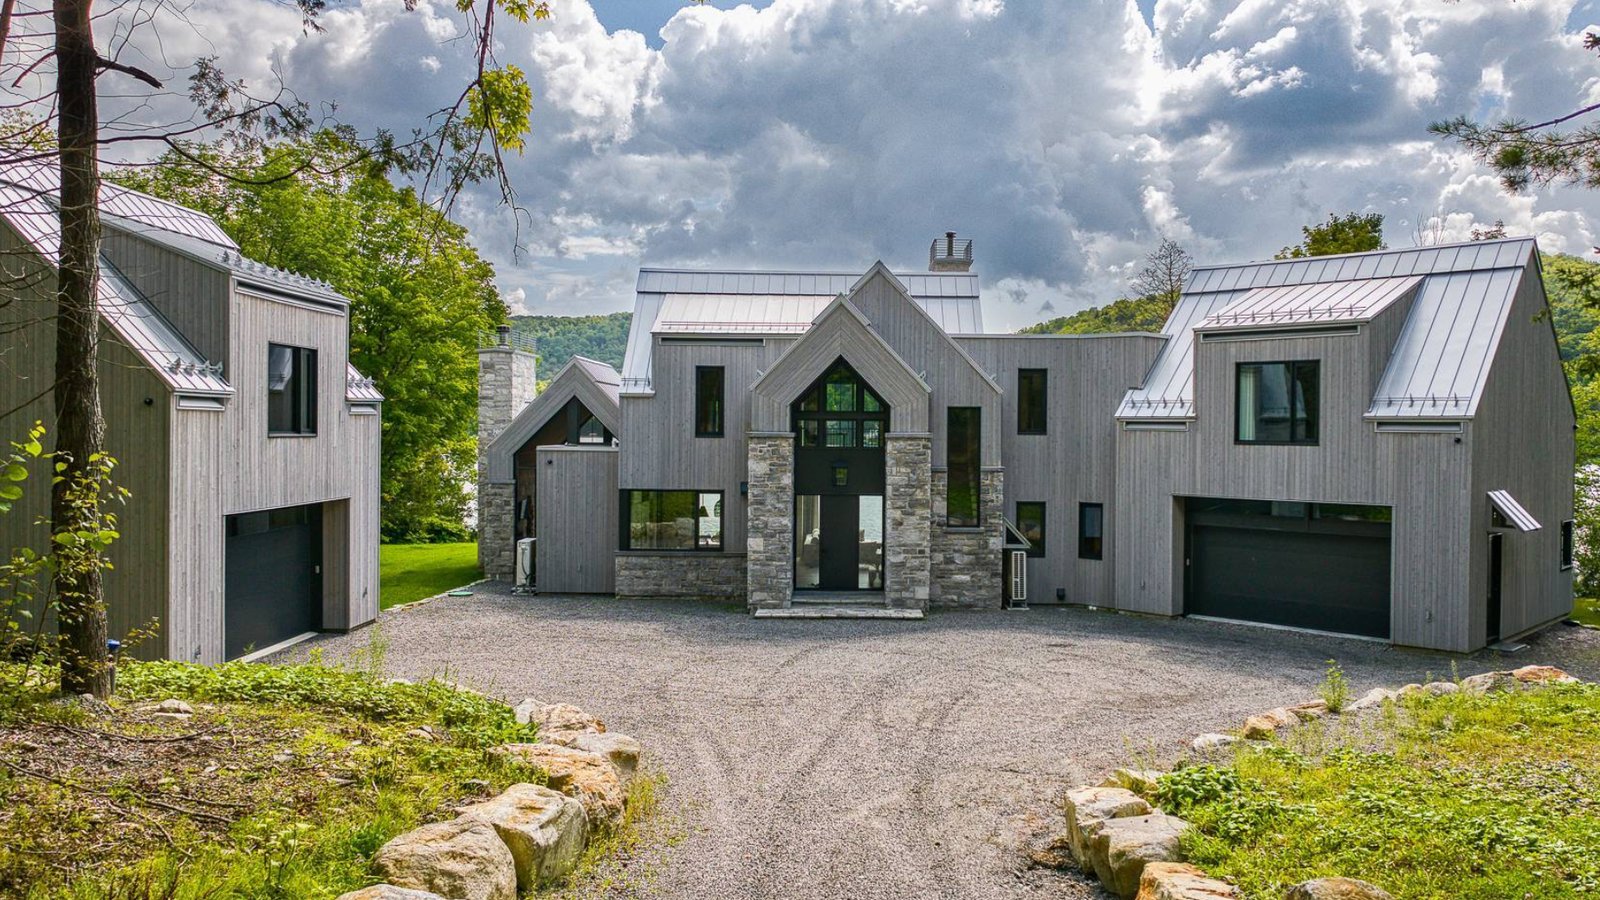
<point x="592" y="382"/>
<point x="728" y="302"/>
<point x="1441" y="360"/>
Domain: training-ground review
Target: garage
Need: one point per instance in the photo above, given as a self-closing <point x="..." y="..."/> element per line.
<point x="273" y="587"/>
<point x="1307" y="565"/>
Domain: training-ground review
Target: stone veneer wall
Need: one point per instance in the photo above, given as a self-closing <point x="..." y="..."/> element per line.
<point x="967" y="561"/>
<point x="507" y="383"/>
<point x="711" y="576"/>
<point x="769" y="540"/>
<point x="497" y="552"/>
<point x="907" y="557"/>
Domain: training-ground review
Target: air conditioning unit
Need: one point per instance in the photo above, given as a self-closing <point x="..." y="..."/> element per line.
<point x="1019" y="579"/>
<point x="525" y="563"/>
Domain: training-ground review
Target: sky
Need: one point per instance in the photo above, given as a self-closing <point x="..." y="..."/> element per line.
<point x="1066" y="139"/>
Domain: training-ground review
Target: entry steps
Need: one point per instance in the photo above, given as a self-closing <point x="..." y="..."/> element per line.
<point x="838" y="605"/>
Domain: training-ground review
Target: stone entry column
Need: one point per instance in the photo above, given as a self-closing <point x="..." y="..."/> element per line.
<point x="769" y="541"/>
<point x="908" y="519"/>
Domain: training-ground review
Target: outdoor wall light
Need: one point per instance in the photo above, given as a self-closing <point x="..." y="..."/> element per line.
<point x="1061" y="595"/>
<point x="744" y="488"/>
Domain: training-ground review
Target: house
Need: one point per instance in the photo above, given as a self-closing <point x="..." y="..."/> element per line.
<point x="248" y="442"/>
<point x="1378" y="444"/>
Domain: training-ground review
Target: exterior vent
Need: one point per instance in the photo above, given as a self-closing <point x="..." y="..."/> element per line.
<point x="950" y="255"/>
<point x="1019" y="579"/>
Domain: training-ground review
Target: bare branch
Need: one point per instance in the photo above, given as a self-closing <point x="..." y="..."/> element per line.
<point x="112" y="65"/>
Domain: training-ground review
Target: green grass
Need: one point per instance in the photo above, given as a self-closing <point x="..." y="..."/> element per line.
<point x="410" y="572"/>
<point x="1437" y="798"/>
<point x="1587" y="610"/>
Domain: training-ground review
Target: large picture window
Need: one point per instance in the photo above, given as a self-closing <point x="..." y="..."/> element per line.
<point x="708" y="397"/>
<point x="964" y="461"/>
<point x="1032" y="392"/>
<point x="672" y="520"/>
<point x="1091" y="530"/>
<point x="1278" y="403"/>
<point x="291" y="390"/>
<point x="841" y="412"/>
<point x="1030" y="521"/>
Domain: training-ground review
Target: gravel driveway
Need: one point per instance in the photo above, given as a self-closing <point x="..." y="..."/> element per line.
<point x="874" y="759"/>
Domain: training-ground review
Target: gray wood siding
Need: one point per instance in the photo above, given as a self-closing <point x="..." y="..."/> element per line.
<point x="187" y="292"/>
<point x="1423" y="477"/>
<point x="1075" y="461"/>
<point x="577" y="512"/>
<point x="1523" y="442"/>
<point x="195" y="522"/>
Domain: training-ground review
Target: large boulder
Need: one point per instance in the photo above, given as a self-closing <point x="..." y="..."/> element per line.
<point x="1313" y="709"/>
<point x="621" y="750"/>
<point x="545" y="831"/>
<point x="1213" y="743"/>
<point x="556" y="718"/>
<point x="1542" y="675"/>
<point x="1119" y="849"/>
<point x="589" y="777"/>
<point x="1372" y="699"/>
<point x="1263" y="726"/>
<point x="1140" y="781"/>
<point x="1337" y="889"/>
<point x="1088" y="806"/>
<point x="1181" y="881"/>
<point x="389" y="892"/>
<point x="462" y="859"/>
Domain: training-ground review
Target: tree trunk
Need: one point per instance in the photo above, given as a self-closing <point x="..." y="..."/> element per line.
<point x="80" y="429"/>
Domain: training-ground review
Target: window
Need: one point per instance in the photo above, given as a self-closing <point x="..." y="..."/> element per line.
<point x="840" y="412"/>
<point x="1091" y="530"/>
<point x="1566" y="545"/>
<point x="964" y="461"/>
<point x="291" y="390"/>
<point x="1277" y="403"/>
<point x="1032" y="391"/>
<point x="1030" y="521"/>
<point x="672" y="520"/>
<point x="708" y="401"/>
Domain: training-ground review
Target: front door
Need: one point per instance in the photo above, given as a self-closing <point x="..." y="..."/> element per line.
<point x="841" y="548"/>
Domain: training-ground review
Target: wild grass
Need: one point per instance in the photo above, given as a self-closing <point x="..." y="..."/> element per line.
<point x="411" y="572"/>
<point x="1459" y="797"/>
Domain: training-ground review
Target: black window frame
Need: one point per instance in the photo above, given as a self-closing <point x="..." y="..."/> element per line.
<point x="1038" y="406"/>
<point x="1091" y="547"/>
<point x="861" y="427"/>
<point x="1314" y="420"/>
<point x="1036" y="549"/>
<point x="710" y="402"/>
<point x="1568" y="548"/>
<point x="958" y="476"/>
<point x="303" y="388"/>
<point x="625" y="507"/>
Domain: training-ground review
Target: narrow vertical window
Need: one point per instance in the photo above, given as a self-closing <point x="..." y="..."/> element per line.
<point x="964" y="462"/>
<point x="1566" y="545"/>
<point x="1091" y="530"/>
<point x="291" y="390"/>
<point x="708" y="401"/>
<point x="1030" y="521"/>
<point x="1032" y="393"/>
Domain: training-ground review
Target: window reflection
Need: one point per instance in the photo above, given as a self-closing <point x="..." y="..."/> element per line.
<point x="807" y="541"/>
<point x="870" y="559"/>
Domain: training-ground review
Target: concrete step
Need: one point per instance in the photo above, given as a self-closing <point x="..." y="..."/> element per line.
<point x="838" y="611"/>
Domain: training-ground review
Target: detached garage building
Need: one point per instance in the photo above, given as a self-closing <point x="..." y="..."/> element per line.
<point x="248" y="442"/>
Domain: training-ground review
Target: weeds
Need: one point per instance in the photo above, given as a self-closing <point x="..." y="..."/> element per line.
<point x="1335" y="688"/>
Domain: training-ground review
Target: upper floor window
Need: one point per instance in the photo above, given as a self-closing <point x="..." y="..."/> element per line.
<point x="841" y="412"/>
<point x="1032" y="391"/>
<point x="964" y="460"/>
<point x="708" y="401"/>
<point x="1278" y="403"/>
<point x="291" y="390"/>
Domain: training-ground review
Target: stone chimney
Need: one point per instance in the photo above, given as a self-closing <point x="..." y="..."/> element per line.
<point x="507" y="382"/>
<point x="949" y="254"/>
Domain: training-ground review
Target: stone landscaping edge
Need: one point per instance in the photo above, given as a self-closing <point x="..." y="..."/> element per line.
<point x="528" y="834"/>
<point x="1133" y="848"/>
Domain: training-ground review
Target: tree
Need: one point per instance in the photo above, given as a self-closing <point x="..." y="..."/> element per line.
<point x="456" y="146"/>
<point x="1349" y="233"/>
<point x="1128" y="314"/>
<point x="1164" y="273"/>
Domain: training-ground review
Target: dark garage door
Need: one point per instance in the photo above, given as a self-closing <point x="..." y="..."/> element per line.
<point x="1306" y="565"/>
<point x="273" y="586"/>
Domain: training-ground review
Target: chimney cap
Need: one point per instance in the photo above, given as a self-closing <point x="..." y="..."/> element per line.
<point x="950" y="255"/>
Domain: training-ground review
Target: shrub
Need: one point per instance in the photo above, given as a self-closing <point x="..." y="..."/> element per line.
<point x="1335" y="688"/>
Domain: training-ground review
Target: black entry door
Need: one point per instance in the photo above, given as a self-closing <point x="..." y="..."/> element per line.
<point x="273" y="585"/>
<point x="841" y="545"/>
<point x="1497" y="550"/>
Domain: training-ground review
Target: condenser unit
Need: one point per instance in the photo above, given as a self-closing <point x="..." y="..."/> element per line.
<point x="525" y="564"/>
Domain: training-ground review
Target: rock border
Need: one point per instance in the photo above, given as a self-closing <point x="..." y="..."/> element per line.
<point x="528" y="834"/>
<point x="1133" y="848"/>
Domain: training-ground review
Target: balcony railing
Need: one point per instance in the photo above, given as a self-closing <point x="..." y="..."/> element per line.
<point x="950" y="249"/>
<point x="508" y="339"/>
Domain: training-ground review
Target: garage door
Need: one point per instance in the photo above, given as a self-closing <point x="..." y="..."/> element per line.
<point x="1306" y="565"/>
<point x="273" y="586"/>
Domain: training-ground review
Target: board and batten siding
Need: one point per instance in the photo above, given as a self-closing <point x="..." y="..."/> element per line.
<point x="189" y="293"/>
<point x="196" y="525"/>
<point x="1075" y="460"/>
<point x="577" y="548"/>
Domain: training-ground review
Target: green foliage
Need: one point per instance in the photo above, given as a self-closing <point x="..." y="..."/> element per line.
<point x="410" y="572"/>
<point x="1335" y="688"/>
<point x="1349" y="233"/>
<point x="1128" y="314"/>
<point x="560" y="338"/>
<point x="1465" y="797"/>
<point x="420" y="296"/>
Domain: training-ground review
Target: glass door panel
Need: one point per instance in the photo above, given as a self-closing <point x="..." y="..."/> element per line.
<point x="869" y="564"/>
<point x="807" y="541"/>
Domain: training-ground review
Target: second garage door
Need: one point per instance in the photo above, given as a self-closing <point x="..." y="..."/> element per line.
<point x="1305" y="565"/>
<point x="273" y="581"/>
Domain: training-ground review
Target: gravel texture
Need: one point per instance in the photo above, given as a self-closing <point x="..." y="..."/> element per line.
<point x="883" y="759"/>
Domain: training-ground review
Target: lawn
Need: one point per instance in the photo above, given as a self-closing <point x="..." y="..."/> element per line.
<point x="410" y="572"/>
<point x="1587" y="610"/>
<point x="1457" y="797"/>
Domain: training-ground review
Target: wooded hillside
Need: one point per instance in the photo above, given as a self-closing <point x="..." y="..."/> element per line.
<point x="562" y="337"/>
